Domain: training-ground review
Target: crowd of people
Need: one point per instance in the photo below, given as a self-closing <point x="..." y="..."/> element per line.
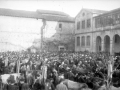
<point x="82" y="67"/>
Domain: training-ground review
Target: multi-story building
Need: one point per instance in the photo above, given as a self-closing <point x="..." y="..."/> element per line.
<point x="107" y="32"/>
<point x="99" y="32"/>
<point x="84" y="24"/>
<point x="64" y="36"/>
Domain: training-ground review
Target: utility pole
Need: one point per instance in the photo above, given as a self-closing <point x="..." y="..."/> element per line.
<point x="44" y="67"/>
<point x="42" y="28"/>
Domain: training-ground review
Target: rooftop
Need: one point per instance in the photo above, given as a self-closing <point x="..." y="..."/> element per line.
<point x="52" y="12"/>
<point x="39" y="14"/>
<point x="94" y="11"/>
<point x="109" y="12"/>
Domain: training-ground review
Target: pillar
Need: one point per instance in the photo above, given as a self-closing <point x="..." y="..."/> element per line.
<point x="111" y="47"/>
<point x="94" y="47"/>
<point x="102" y="46"/>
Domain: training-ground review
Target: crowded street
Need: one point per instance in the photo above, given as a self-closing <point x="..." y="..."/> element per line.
<point x="59" y="45"/>
<point x="85" y="68"/>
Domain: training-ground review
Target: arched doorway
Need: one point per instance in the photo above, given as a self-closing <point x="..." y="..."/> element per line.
<point x="107" y="44"/>
<point x="116" y="43"/>
<point x="98" y="44"/>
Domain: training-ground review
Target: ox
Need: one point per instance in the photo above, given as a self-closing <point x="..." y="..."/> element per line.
<point x="5" y="77"/>
<point x="75" y="85"/>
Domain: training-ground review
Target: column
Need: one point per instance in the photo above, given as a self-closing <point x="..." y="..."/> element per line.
<point x="102" y="46"/>
<point x="111" y="47"/>
<point x="94" y="46"/>
<point x="75" y="43"/>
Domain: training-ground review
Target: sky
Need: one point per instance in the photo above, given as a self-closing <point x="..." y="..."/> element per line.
<point x="71" y="7"/>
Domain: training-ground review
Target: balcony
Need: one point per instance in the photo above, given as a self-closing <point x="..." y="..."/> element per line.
<point x="116" y="26"/>
<point x="99" y="29"/>
<point x="108" y="27"/>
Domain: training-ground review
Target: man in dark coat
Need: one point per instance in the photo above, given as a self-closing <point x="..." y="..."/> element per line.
<point x="1" y="66"/>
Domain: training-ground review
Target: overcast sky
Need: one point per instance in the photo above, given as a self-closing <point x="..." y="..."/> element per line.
<point x="71" y="7"/>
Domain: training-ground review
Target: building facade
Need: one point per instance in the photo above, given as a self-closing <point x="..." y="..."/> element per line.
<point x="107" y="32"/>
<point x="65" y="35"/>
<point x="16" y="24"/>
<point x="17" y="27"/>
<point x="84" y="24"/>
<point x="102" y="36"/>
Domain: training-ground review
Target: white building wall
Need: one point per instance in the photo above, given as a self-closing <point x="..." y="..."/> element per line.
<point x="84" y="32"/>
<point x="18" y="30"/>
<point x="65" y="34"/>
<point x="66" y="30"/>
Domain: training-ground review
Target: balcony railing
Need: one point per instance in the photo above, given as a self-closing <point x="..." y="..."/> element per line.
<point x="108" y="27"/>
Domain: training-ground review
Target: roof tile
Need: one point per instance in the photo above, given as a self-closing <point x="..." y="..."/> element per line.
<point x="43" y="14"/>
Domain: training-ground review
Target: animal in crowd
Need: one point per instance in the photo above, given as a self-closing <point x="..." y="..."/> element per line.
<point x="5" y="77"/>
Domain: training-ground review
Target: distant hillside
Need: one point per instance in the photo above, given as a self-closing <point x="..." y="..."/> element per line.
<point x="6" y="46"/>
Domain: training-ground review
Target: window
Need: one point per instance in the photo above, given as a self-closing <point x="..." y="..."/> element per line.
<point x="104" y="21"/>
<point x="117" y="18"/>
<point x="110" y="20"/>
<point x="83" y="41"/>
<point x="78" y="25"/>
<point x="101" y="21"/>
<point x="97" y="22"/>
<point x="83" y="14"/>
<point x="119" y="15"/>
<point x="60" y="25"/>
<point x="88" y="23"/>
<point x="78" y="41"/>
<point x="83" y="24"/>
<point x="88" y="41"/>
<point x="61" y="48"/>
